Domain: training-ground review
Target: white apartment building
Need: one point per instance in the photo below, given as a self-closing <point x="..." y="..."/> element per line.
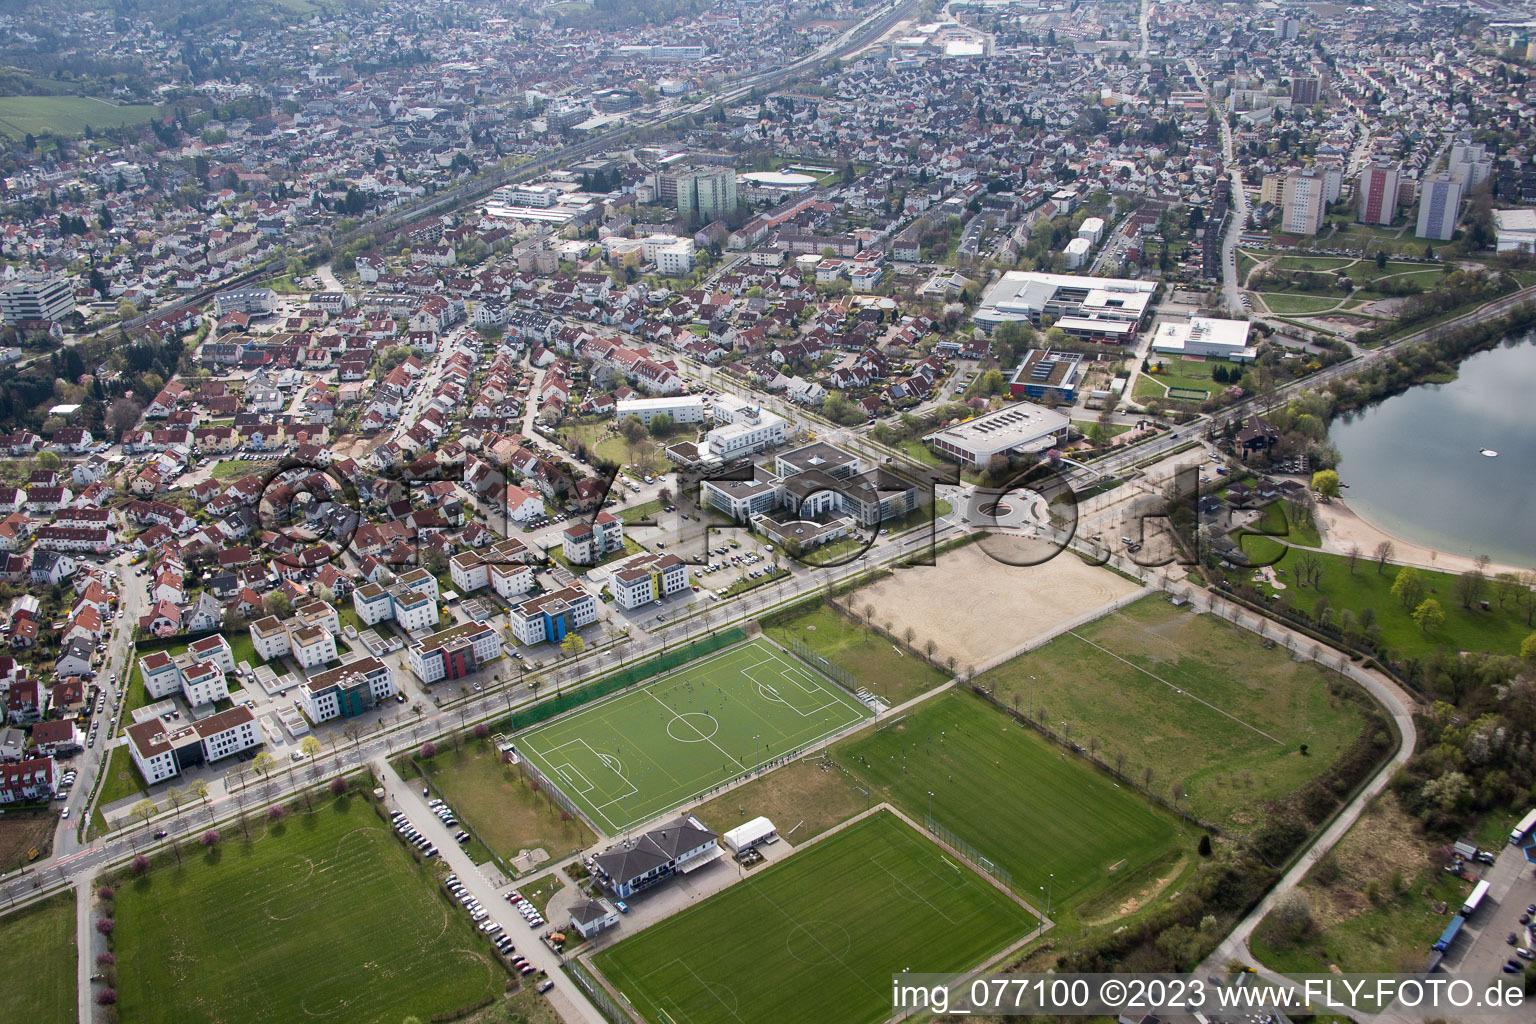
<point x="1302" y="204"/>
<point x="1439" y="202"/>
<point x="348" y="691"/>
<point x="270" y="638"/>
<point x="34" y="297"/>
<point x="203" y="683"/>
<point x="455" y="652"/>
<point x="312" y="646"/>
<point x="744" y="428"/>
<point x="552" y="616"/>
<point x="647" y="578"/>
<point x="682" y="408"/>
<point x="675" y="260"/>
<point x="162" y="750"/>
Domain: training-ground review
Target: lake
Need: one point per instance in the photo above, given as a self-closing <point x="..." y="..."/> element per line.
<point x="1413" y="466"/>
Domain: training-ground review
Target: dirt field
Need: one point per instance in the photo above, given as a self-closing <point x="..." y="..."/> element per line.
<point x="975" y="608"/>
<point x="798" y="794"/>
<point x="20" y="834"/>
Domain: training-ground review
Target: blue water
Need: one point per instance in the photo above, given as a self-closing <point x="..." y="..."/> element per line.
<point x="1413" y="466"/>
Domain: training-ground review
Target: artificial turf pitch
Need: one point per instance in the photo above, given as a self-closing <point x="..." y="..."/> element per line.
<point x="818" y="937"/>
<point x="643" y="751"/>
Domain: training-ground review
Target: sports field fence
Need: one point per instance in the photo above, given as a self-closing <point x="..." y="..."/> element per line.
<point x="969" y="852"/>
<point x="626" y="676"/>
<point x="554" y="792"/>
<point x="841" y="676"/>
<point x="611" y="1010"/>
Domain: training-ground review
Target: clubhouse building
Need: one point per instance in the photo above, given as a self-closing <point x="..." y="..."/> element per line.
<point x="681" y="846"/>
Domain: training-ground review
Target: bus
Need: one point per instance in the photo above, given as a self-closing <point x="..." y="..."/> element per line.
<point x="1523" y="829"/>
<point x="1473" y="901"/>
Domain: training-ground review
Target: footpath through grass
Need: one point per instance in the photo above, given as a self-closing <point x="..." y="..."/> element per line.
<point x="322" y="917"/>
<point x="38" y="947"/>
<point x="1197" y="700"/>
<point x="1016" y="798"/>
<point x="816" y="938"/>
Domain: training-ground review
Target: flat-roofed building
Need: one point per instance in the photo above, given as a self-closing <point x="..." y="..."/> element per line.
<point x="1205" y="336"/>
<point x="164" y="749"/>
<point x="1045" y="374"/>
<point x="1099" y="308"/>
<point x="648" y="577"/>
<point x="455" y="652"/>
<point x="1023" y="429"/>
<point x="743" y="428"/>
<point x="551" y="617"/>
<point x="348" y="691"/>
<point x="682" y="408"/>
<point x="312" y="646"/>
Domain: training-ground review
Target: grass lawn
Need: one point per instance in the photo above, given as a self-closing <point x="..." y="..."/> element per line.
<point x="650" y="748"/>
<point x="801" y="799"/>
<point x="1162" y="705"/>
<point x="121" y="778"/>
<point x="233" y="469"/>
<point x="1286" y="302"/>
<point x="644" y="510"/>
<point x="1316" y="264"/>
<point x="1277" y="522"/>
<point x="873" y="661"/>
<point x="1368" y="239"/>
<point x="838" y="920"/>
<point x="920" y="516"/>
<point x="1112" y="429"/>
<point x="66" y="115"/>
<point x="1496" y="631"/>
<point x="323" y="917"/>
<point x="1014" y="797"/>
<point x="1177" y="372"/>
<point x="742" y="586"/>
<point x="1370" y="900"/>
<point x="40" y="944"/>
<point x="1245" y="263"/>
<point x="917" y="451"/>
<point x="494" y="800"/>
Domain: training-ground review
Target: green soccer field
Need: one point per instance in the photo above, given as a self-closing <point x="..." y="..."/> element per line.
<point x="321" y="918"/>
<point x="635" y="755"/>
<point x="1053" y="821"/>
<point x="817" y="937"/>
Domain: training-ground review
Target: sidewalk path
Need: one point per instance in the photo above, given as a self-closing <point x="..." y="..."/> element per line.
<point x="565" y="996"/>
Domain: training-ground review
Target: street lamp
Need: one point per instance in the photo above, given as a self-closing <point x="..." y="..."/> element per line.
<point x="930" y="810"/>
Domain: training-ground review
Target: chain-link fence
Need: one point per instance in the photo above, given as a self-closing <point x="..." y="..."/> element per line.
<point x="969" y="852"/>
<point x="599" y="996"/>
<point x="838" y="675"/>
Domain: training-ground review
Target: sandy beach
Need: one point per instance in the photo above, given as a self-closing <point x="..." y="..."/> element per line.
<point x="1340" y="527"/>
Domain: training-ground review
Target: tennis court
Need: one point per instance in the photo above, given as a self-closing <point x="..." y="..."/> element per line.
<point x="644" y="751"/>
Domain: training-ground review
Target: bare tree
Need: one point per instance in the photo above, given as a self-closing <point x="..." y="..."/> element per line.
<point x="1147" y="775"/>
<point x="909" y="634"/>
<point x="1093" y="745"/>
<point x="1382" y="554"/>
<point x="1120" y="762"/>
<point x="1353" y="554"/>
